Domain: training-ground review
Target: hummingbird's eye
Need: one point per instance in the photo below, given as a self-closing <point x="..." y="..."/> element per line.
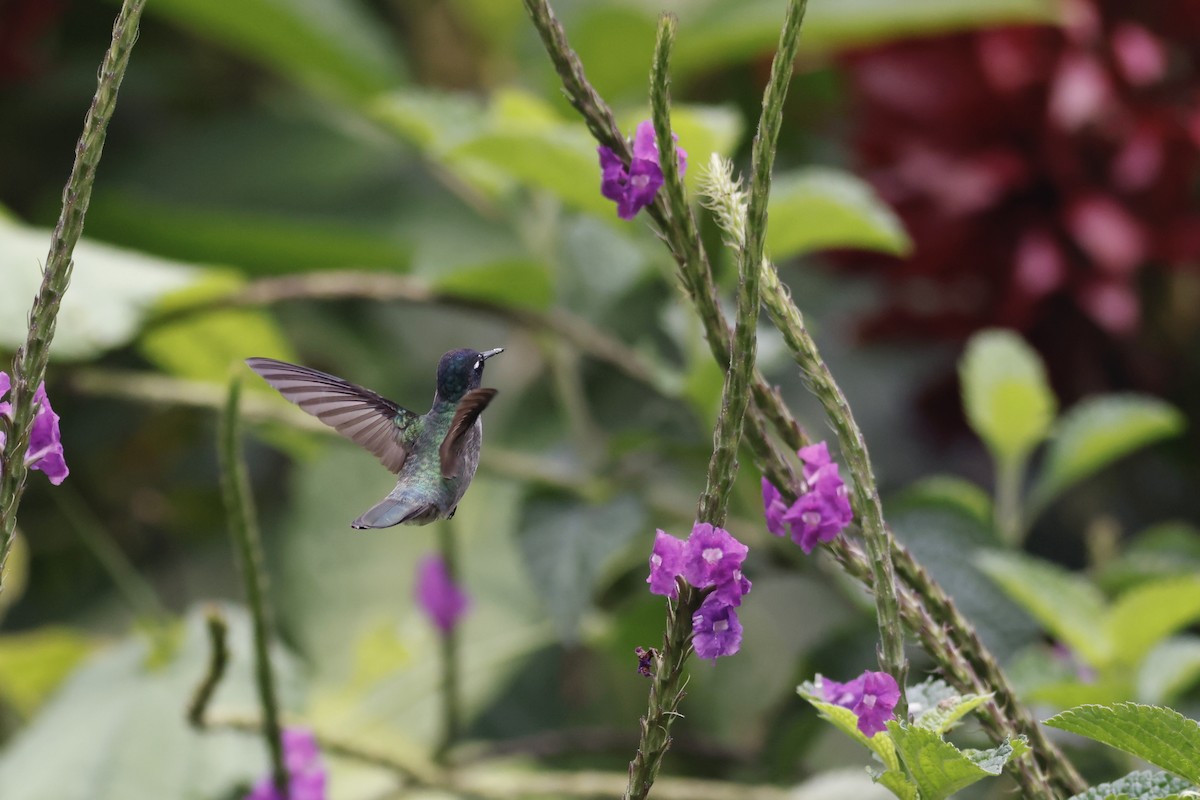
<point x="478" y="365"/>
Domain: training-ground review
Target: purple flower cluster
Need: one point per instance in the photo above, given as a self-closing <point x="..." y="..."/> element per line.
<point x="306" y="773"/>
<point x="438" y="595"/>
<point x="633" y="187"/>
<point x="45" y="451"/>
<point x="710" y="558"/>
<point x="821" y="511"/>
<point x="871" y="696"/>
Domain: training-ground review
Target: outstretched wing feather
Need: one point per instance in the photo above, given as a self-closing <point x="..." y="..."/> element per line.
<point x="465" y="414"/>
<point x="364" y="417"/>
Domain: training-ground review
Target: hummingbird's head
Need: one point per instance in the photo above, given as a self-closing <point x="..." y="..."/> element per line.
<point x="460" y="371"/>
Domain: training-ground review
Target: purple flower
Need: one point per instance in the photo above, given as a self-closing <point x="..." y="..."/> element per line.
<point x="666" y="564"/>
<point x="817" y="517"/>
<point x="633" y="187"/>
<point x="45" y="451"/>
<point x="774" y="508"/>
<point x="871" y="696"/>
<point x="306" y="774"/>
<point x="821" y="511"/>
<point x="814" y="457"/>
<point x="731" y="591"/>
<point x="645" y="658"/>
<point x="438" y="595"/>
<point x="711" y="556"/>
<point x="715" y="629"/>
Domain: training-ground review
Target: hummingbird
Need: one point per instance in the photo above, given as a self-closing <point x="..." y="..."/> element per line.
<point x="434" y="455"/>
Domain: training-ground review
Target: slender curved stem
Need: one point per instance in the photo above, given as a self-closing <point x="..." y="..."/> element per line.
<point x="243" y="528"/>
<point x="29" y="363"/>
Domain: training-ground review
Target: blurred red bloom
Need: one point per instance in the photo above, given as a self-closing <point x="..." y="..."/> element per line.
<point x="1032" y="165"/>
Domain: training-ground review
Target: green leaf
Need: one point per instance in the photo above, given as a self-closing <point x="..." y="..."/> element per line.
<point x="1162" y="550"/>
<point x="858" y="22"/>
<point x="207" y="346"/>
<point x="111" y="291"/>
<point x="898" y="783"/>
<point x="938" y="707"/>
<point x="1146" y="614"/>
<point x="939" y="768"/>
<point x="845" y="720"/>
<point x="334" y="47"/>
<point x="946" y="491"/>
<point x="116" y="729"/>
<point x="1159" y="735"/>
<point x="1169" y="670"/>
<point x="820" y="208"/>
<point x="16" y="574"/>
<point x="519" y="284"/>
<point x="1067" y="605"/>
<point x="256" y="241"/>
<point x="1094" y="433"/>
<point x="1005" y="394"/>
<point x="33" y="664"/>
<point x="947" y="543"/>
<point x="1141" y="785"/>
<point x="561" y="160"/>
<point x="568" y="546"/>
<point x="616" y="40"/>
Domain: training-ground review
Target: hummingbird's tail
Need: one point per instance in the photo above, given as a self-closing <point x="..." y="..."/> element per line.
<point x="397" y="511"/>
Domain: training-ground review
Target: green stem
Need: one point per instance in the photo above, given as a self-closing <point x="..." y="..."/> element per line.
<point x="666" y="691"/>
<point x="29" y="363"/>
<point x="218" y="661"/>
<point x="451" y="713"/>
<point x="876" y="537"/>
<point x="1009" y="474"/>
<point x="243" y="527"/>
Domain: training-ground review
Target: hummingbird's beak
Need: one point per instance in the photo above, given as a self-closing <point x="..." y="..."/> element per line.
<point x="485" y="355"/>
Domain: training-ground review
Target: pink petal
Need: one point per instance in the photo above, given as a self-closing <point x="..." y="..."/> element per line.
<point x="1080" y="93"/>
<point x="1139" y="54"/>
<point x="1107" y="233"/>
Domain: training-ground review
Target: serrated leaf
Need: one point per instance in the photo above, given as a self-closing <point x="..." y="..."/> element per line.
<point x="1146" y="614"/>
<point x="1096" y="432"/>
<point x="898" y="783"/>
<point x="1067" y="605"/>
<point x="331" y="46"/>
<point x="938" y="707"/>
<point x="1006" y="396"/>
<point x="820" y="208"/>
<point x="1158" y="735"/>
<point x="1140" y="785"/>
<point x="939" y="768"/>
<point x="845" y="720"/>
<point x="567" y="547"/>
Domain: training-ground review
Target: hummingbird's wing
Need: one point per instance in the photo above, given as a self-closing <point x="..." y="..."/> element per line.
<point x="359" y="414"/>
<point x="465" y="413"/>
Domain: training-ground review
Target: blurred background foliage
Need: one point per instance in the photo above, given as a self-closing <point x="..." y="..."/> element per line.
<point x="360" y="186"/>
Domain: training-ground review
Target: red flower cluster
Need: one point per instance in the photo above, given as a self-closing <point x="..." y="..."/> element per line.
<point x="1033" y="164"/>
